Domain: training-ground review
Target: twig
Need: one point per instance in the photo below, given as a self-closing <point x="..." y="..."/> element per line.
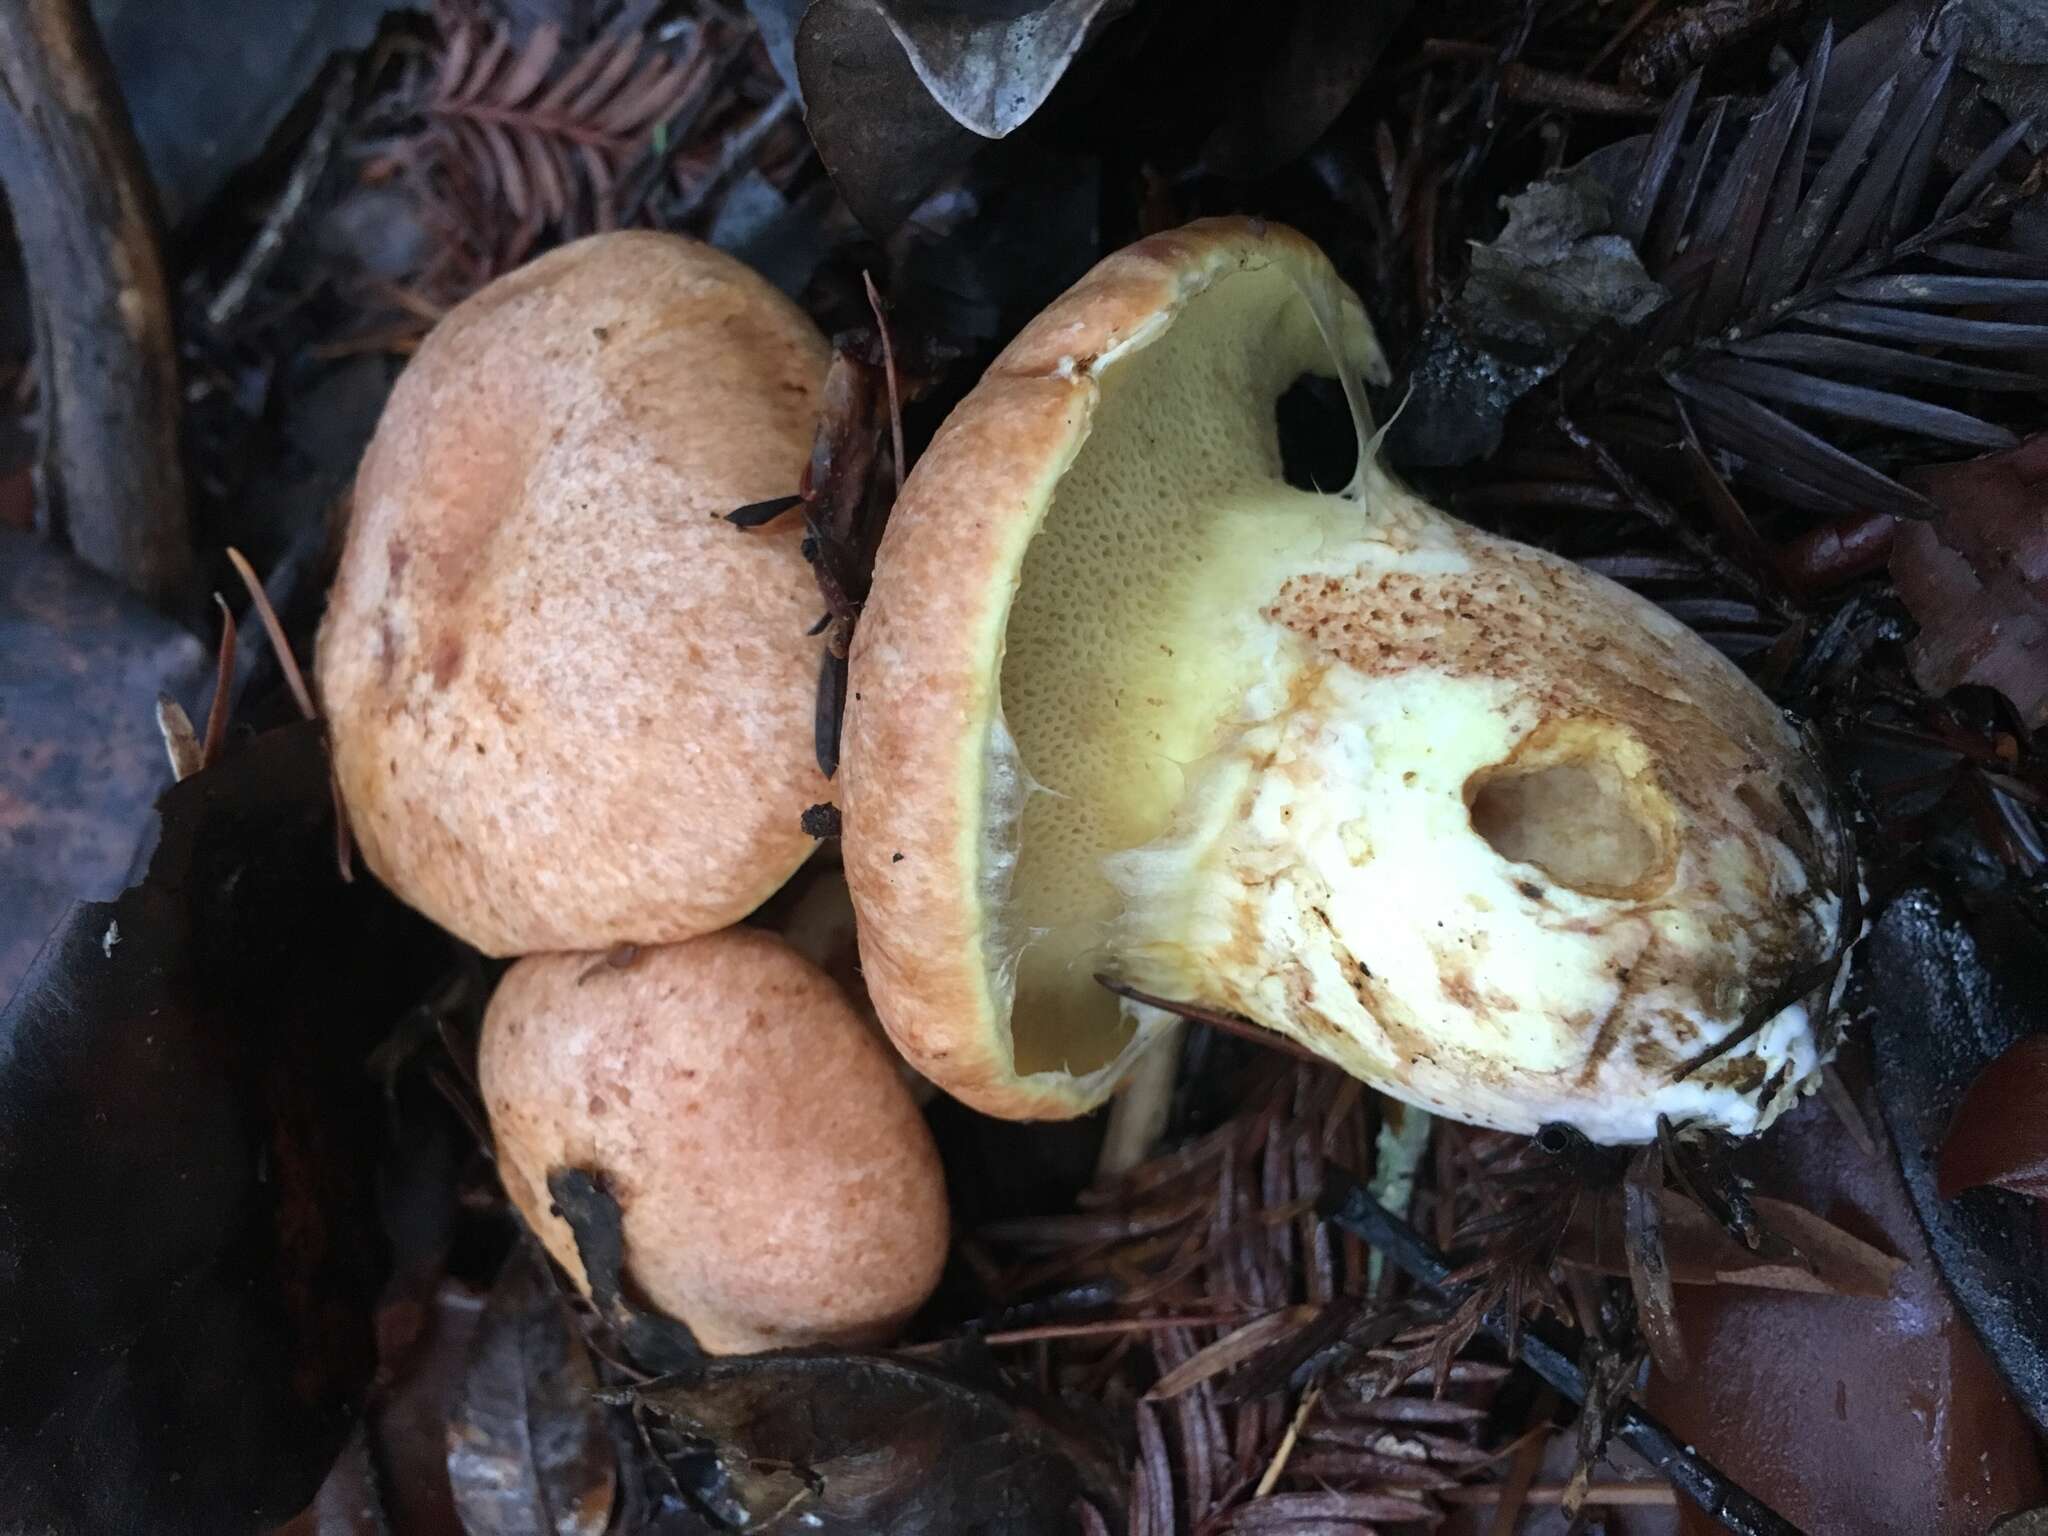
<point x="1533" y="87"/>
<point x="1649" y="1495"/>
<point x="888" y="374"/>
<point x="307" y="171"/>
<point x="1274" y="1468"/>
<point x="1553" y="1354"/>
<point x="223" y="687"/>
<point x="108" y="465"/>
<point x="1656" y="510"/>
<point x="344" y="844"/>
<point x="1628" y="28"/>
<point x="294" y="678"/>
<point x="1215" y="1018"/>
<point x="739" y="151"/>
<point x="1108" y="1328"/>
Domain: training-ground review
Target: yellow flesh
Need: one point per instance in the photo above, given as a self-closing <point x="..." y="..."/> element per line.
<point x="1135" y="636"/>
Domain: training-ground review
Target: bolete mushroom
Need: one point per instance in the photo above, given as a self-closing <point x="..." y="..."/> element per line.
<point x="1488" y="831"/>
<point x="776" y="1184"/>
<point x="571" y="705"/>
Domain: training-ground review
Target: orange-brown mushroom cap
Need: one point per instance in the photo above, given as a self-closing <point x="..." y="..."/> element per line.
<point x="777" y="1184"/>
<point x="571" y="705"/>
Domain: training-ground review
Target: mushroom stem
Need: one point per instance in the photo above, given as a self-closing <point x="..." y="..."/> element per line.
<point x="1138" y="1114"/>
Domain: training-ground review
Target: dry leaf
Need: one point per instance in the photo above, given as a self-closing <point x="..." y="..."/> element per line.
<point x="2000" y="1132"/>
<point x="188" y="1244"/>
<point x="527" y="1450"/>
<point x="1976" y="576"/>
<point x="81" y="663"/>
<point x="1554" y="273"/>
<point x="993" y="66"/>
<point x="824" y="1443"/>
<point x="884" y="140"/>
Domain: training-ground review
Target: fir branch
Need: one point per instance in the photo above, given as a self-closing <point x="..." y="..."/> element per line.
<point x="1793" y="262"/>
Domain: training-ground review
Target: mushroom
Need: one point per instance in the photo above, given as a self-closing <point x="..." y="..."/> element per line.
<point x="1486" y="830"/>
<point x="776" y="1184"/>
<point x="572" y="705"/>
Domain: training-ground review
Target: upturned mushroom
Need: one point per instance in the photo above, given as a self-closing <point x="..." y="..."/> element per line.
<point x="776" y="1183"/>
<point x="571" y="705"/>
<point x="1488" y="831"/>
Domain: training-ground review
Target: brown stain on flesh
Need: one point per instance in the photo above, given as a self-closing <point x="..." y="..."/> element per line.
<point x="447" y="660"/>
<point x="1456" y="984"/>
<point x="1741" y="792"/>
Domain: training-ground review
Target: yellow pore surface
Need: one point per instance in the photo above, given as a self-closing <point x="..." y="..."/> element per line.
<point x="1134" y="638"/>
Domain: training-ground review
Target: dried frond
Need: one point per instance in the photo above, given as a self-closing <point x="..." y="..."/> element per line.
<point x="1792" y="263"/>
<point x="1513" y="1206"/>
<point x="1265" y="1375"/>
<point x="515" y="146"/>
<point x="545" y="132"/>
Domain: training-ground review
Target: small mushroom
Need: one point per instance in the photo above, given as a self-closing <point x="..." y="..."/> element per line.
<point x="777" y="1185"/>
<point x="1485" y="829"/>
<point x="571" y="704"/>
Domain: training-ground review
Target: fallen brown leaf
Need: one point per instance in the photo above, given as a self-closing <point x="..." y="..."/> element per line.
<point x="2000" y="1133"/>
<point x="527" y="1444"/>
<point x="1976" y="576"/>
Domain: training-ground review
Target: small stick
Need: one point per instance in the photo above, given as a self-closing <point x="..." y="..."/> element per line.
<point x="1535" y="87"/>
<point x="1215" y="1018"/>
<point x="294" y="678"/>
<point x="1656" y="510"/>
<point x="223" y="683"/>
<point x="738" y="152"/>
<point x="1553" y="1354"/>
<point x="1650" y="1495"/>
<point x="1110" y="1328"/>
<point x="889" y="375"/>
<point x="1278" y="1464"/>
<point x="1512" y="1496"/>
<point x="344" y="844"/>
<point x="291" y="203"/>
<point x="1612" y="46"/>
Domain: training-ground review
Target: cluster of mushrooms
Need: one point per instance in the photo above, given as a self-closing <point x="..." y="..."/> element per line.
<point x="1487" y="831"/>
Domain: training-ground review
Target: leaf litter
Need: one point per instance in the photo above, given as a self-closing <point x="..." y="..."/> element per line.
<point x="528" y="1450"/>
<point x="1726" y="330"/>
<point x="202" y="1338"/>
